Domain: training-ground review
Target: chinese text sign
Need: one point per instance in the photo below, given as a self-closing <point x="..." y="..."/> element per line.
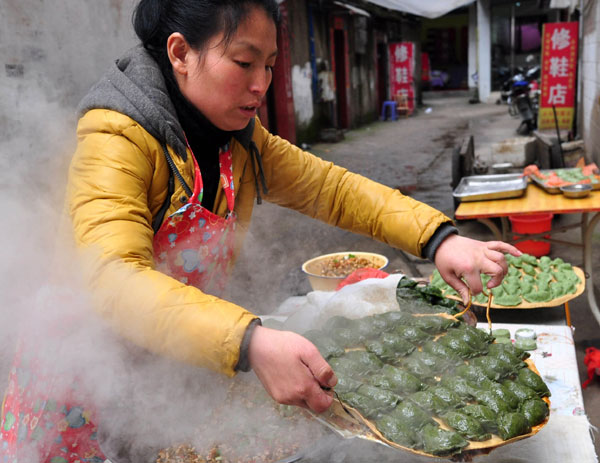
<point x="559" y="66"/>
<point x="401" y="71"/>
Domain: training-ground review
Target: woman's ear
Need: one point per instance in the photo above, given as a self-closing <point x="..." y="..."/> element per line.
<point x="178" y="50"/>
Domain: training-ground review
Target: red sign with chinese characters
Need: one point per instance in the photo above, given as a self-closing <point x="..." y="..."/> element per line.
<point x="425" y="67"/>
<point x="559" y="66"/>
<point x="402" y="66"/>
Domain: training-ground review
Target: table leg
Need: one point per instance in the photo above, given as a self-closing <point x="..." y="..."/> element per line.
<point x="492" y="226"/>
<point x="505" y="228"/>
<point x="588" y="232"/>
<point x="567" y="314"/>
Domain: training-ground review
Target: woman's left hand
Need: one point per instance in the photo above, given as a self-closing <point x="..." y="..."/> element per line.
<point x="459" y="258"/>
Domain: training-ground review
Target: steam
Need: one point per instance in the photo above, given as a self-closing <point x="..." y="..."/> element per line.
<point x="30" y="185"/>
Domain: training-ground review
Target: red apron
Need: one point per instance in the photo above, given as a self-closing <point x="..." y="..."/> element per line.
<point x="43" y="416"/>
<point x="193" y="245"/>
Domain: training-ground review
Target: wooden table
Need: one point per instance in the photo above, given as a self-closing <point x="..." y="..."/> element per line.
<point x="537" y="201"/>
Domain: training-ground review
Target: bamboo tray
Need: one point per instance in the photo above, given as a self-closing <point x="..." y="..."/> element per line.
<point x="348" y="422"/>
<point x="534" y="305"/>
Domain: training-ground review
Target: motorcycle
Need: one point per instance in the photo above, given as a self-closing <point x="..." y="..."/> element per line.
<point x="526" y="101"/>
<point x="521" y="93"/>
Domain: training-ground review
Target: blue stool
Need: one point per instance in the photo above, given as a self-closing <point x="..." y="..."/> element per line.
<point x="392" y="106"/>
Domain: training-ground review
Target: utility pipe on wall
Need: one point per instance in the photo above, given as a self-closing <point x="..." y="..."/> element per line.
<point x="484" y="44"/>
<point x="313" y="58"/>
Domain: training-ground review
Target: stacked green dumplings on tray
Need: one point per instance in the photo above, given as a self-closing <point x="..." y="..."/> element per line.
<point x="529" y="280"/>
<point x="431" y="383"/>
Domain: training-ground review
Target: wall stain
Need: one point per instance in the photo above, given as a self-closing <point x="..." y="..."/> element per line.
<point x="117" y="5"/>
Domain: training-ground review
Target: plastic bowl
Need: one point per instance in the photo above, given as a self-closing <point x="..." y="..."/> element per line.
<point x="312" y="269"/>
<point x="578" y="190"/>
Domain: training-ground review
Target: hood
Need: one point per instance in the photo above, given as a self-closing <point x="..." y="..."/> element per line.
<point x="134" y="86"/>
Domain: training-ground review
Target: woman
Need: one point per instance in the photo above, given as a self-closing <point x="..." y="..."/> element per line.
<point x="170" y="158"/>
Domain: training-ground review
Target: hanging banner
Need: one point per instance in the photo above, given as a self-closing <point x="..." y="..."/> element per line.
<point x="425" y="68"/>
<point x="402" y="66"/>
<point x="559" y="66"/>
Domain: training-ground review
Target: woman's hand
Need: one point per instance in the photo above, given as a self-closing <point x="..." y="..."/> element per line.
<point x="291" y="368"/>
<point x="459" y="257"/>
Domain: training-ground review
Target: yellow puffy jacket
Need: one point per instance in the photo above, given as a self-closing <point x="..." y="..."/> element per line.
<point x="117" y="184"/>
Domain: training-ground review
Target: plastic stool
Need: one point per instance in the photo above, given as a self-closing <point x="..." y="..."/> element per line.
<point x="392" y="106"/>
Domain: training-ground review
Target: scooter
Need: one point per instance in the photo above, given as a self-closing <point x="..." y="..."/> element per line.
<point x="515" y="84"/>
<point x="525" y="104"/>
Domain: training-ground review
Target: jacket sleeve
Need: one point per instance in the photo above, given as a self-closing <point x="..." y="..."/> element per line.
<point x="332" y="194"/>
<point x="107" y="199"/>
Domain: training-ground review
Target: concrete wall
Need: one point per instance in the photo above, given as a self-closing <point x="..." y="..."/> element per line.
<point x="60" y="48"/>
<point x="589" y="125"/>
<point x="484" y="74"/>
<point x="301" y="66"/>
<point x="50" y="54"/>
<point x="472" y="69"/>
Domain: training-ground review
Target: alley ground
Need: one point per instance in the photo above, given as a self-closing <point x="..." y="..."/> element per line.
<point x="413" y="155"/>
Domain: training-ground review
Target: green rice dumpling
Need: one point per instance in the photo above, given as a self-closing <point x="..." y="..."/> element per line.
<point x="511" y="425"/>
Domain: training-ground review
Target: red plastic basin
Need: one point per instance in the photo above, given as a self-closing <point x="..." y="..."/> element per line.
<point x="534" y="223"/>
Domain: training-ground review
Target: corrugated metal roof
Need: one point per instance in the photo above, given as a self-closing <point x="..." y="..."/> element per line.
<point x="426" y="8"/>
<point x="353" y="9"/>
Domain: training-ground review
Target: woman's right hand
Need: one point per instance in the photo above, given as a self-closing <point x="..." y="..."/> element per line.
<point x="291" y="369"/>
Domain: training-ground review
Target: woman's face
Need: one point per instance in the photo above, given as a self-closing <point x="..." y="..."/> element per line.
<point x="229" y="82"/>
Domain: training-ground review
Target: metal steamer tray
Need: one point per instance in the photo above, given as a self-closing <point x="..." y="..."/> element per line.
<point x="482" y="187"/>
<point x="555" y="189"/>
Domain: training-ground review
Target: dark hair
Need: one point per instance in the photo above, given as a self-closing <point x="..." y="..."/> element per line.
<point x="197" y="20"/>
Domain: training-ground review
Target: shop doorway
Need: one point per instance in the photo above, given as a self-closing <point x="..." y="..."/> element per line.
<point x="382" y="73"/>
<point x="339" y="46"/>
<point x="446" y="41"/>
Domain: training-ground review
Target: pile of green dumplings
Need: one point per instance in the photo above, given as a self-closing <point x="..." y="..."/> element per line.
<point x="530" y="279"/>
<point x="408" y="374"/>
